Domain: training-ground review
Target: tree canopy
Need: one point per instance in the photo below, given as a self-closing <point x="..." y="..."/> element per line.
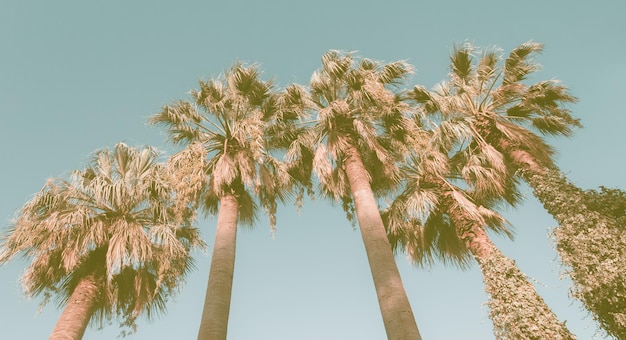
<point x="423" y="171"/>
<point x="115" y="219"/>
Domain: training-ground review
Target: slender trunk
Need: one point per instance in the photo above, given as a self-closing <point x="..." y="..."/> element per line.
<point x="78" y="311"/>
<point x="214" y="323"/>
<point x="392" y="299"/>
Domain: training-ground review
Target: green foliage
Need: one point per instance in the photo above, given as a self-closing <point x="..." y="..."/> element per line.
<point x="515" y="308"/>
<point x="591" y="243"/>
<point x="608" y="202"/>
<point x="425" y="218"/>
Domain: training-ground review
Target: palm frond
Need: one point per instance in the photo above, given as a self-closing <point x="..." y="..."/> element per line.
<point x="336" y="63"/>
<point x="395" y="73"/>
<point x="461" y="62"/>
<point x="488" y="65"/>
<point x="518" y="65"/>
<point x="442" y="232"/>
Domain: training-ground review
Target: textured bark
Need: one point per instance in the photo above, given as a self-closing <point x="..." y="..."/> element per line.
<point x="394" y="304"/>
<point x="515" y="308"/>
<point x="78" y="311"/>
<point x="591" y="246"/>
<point x="214" y="323"/>
<point x="559" y="197"/>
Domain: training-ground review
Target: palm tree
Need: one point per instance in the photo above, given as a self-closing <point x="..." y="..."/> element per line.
<point x="107" y="242"/>
<point x="358" y="132"/>
<point x="435" y="218"/>
<point x="231" y="120"/>
<point x="492" y="108"/>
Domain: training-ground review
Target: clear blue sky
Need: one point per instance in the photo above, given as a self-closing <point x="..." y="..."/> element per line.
<point x="76" y="76"/>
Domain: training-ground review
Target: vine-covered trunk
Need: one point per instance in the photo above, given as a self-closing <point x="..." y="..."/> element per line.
<point x="590" y="244"/>
<point x="515" y="308"/>
<point x="394" y="304"/>
<point x="78" y="311"/>
<point x="214" y="323"/>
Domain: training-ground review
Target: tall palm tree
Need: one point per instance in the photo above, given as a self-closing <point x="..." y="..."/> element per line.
<point x="435" y="218"/>
<point x="231" y="120"/>
<point x="491" y="106"/>
<point x="107" y="242"/>
<point x="357" y="132"/>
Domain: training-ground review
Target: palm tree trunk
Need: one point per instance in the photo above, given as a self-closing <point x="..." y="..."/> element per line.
<point x="588" y="242"/>
<point x="392" y="299"/>
<point x="559" y="197"/>
<point x="214" y="323"/>
<point x="590" y="245"/>
<point x="78" y="311"/>
<point x="515" y="308"/>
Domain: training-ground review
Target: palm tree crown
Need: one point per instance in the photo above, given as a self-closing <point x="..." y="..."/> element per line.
<point x="435" y="218"/>
<point x="488" y="109"/>
<point x="428" y="216"/>
<point x="238" y="126"/>
<point x="356" y="108"/>
<point x="115" y="220"/>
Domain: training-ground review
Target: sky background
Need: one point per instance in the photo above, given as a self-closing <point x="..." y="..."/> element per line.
<point x="76" y="76"/>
